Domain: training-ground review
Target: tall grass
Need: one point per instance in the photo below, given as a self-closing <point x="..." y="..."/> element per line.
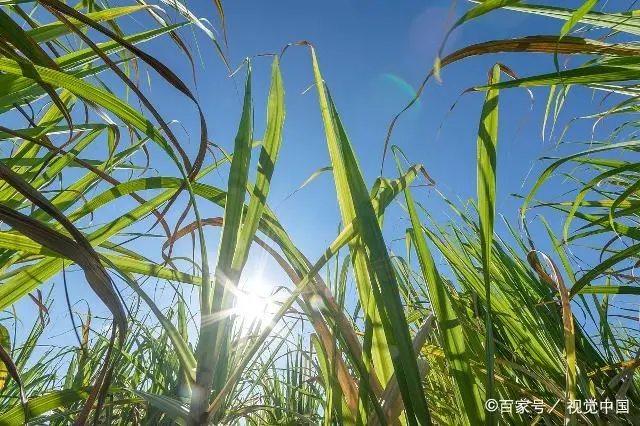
<point x="429" y="342"/>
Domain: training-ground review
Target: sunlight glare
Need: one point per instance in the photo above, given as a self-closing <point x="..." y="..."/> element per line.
<point x="254" y="303"/>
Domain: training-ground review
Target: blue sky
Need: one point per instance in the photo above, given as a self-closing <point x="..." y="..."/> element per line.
<point x="360" y="45"/>
<point x="370" y="53"/>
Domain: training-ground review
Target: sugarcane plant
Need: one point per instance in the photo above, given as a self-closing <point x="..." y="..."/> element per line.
<point x="464" y="317"/>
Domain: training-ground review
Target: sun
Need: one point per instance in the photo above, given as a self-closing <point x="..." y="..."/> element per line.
<point x="254" y="303"/>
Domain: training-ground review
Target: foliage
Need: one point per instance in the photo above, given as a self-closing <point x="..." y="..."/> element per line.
<point x="427" y="343"/>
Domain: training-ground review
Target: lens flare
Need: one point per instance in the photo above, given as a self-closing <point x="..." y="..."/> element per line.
<point x="401" y="84"/>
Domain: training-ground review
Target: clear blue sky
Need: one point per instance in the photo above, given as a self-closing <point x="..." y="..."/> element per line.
<point x="365" y="49"/>
<point x="371" y="54"/>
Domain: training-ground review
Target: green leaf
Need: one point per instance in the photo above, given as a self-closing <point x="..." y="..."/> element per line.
<point x="216" y="335"/>
<point x="47" y="32"/>
<point x="469" y="386"/>
<point x="169" y="406"/>
<point x="577" y="16"/>
<point x="628" y="22"/>
<point x="41" y="405"/>
<point x="486" y="181"/>
<point x="372" y="259"/>
<point x="5" y="341"/>
<point x="610" y="289"/>
<point x="266" y="164"/>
